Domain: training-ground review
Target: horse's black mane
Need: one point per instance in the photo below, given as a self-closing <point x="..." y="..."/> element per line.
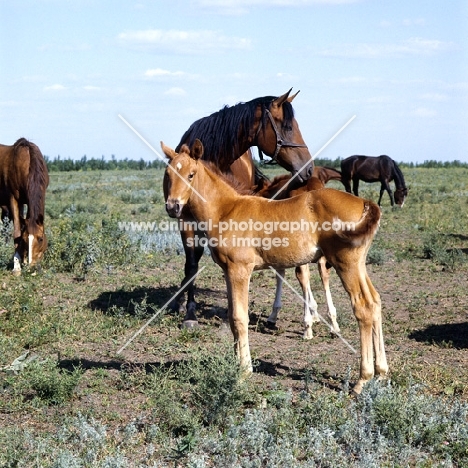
<point x="398" y="177"/>
<point x="223" y="132"/>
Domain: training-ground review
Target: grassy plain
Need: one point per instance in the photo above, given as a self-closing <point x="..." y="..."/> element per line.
<point x="172" y="397"/>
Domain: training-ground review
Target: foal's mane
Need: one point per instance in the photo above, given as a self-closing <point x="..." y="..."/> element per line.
<point x="222" y="132"/>
<point x="228" y="178"/>
<point x="37" y="183"/>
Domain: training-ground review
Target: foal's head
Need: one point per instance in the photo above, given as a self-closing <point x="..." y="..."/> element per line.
<point x="179" y="175"/>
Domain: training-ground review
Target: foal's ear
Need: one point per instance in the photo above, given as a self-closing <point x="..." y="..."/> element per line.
<point x="197" y="149"/>
<point x="170" y="153"/>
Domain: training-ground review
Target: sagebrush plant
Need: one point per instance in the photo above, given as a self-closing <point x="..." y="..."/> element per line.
<point x="77" y="245"/>
<point x="437" y="248"/>
<point x="43" y="382"/>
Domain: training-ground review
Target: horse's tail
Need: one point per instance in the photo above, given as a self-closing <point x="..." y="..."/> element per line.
<point x="363" y="231"/>
<point x="38" y="180"/>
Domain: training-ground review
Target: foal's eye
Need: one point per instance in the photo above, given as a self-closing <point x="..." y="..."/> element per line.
<point x="190" y="177"/>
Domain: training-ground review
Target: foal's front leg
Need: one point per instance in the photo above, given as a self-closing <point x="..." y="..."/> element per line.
<point x="237" y="282"/>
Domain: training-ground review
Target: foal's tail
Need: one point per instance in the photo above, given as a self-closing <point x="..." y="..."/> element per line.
<point x="364" y="230"/>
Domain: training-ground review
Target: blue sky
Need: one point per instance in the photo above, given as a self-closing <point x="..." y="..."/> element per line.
<point x="69" y="68"/>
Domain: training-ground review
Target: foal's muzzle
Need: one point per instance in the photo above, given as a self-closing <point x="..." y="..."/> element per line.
<point x="174" y="208"/>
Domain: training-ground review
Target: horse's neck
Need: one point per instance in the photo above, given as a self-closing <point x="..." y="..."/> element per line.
<point x="218" y="195"/>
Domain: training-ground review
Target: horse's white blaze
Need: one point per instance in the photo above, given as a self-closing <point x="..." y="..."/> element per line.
<point x="179" y="166"/>
<point x="31" y="239"/>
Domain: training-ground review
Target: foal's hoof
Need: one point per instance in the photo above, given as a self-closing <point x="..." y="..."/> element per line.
<point x="16" y="272"/>
<point x="190" y="324"/>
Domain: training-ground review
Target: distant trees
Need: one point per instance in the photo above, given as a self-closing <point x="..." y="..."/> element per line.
<point x="93" y="164"/>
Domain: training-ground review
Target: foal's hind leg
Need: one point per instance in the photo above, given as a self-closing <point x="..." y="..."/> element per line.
<point x="324" y="272"/>
<point x="310" y="305"/>
<point x="367" y="309"/>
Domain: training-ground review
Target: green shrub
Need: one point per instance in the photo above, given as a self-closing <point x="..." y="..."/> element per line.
<point x="45" y="383"/>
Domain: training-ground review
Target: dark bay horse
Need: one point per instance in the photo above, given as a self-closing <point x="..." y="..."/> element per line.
<point x="381" y="169"/>
<point x="240" y="243"/>
<point x="266" y="122"/>
<point x="23" y="182"/>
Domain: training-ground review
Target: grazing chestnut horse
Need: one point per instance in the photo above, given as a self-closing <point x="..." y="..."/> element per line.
<point x="247" y="233"/>
<point x="381" y="169"/>
<point x="23" y="183"/>
<point x="280" y="189"/>
<point x="266" y="122"/>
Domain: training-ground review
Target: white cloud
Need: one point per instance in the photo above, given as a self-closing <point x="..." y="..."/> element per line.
<point x="181" y="42"/>
<point x="91" y="88"/>
<point x="55" y="87"/>
<point x="242" y="7"/>
<point x="414" y="22"/>
<point x="159" y="72"/>
<point x="409" y="47"/>
<point x="435" y="97"/>
<point x="175" y="92"/>
<point x="423" y="112"/>
<point x="350" y="80"/>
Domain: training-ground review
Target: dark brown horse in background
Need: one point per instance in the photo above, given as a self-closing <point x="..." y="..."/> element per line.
<point x="266" y="122"/>
<point x="381" y="169"/>
<point x="23" y="183"/>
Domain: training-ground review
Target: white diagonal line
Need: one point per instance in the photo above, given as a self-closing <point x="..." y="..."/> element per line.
<point x="157" y="154"/>
<point x="159" y="311"/>
<point x="321" y="318"/>
<point x="314" y="156"/>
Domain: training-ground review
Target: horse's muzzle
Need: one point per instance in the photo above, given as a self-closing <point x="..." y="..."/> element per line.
<point x="174" y="208"/>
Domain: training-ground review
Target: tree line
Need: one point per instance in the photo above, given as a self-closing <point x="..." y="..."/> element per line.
<point x="95" y="164"/>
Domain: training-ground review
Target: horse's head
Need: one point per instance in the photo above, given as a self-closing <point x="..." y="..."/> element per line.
<point x="279" y="137"/>
<point x="179" y="175"/>
<point x="32" y="246"/>
<point x="400" y="196"/>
